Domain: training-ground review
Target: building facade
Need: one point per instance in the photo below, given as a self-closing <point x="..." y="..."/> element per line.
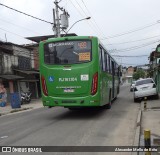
<point x="155" y="66"/>
<point x="127" y="74"/>
<point x="18" y="72"/>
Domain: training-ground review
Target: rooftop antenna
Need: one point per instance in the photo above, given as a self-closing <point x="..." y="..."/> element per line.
<point x="6" y="37"/>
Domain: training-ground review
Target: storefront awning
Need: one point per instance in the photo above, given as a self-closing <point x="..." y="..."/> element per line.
<point x="27" y="72"/>
<point x="11" y="77"/>
<point x="41" y="38"/>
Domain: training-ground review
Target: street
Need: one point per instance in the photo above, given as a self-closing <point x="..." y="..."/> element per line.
<point x="79" y="55"/>
<point x="60" y="127"/>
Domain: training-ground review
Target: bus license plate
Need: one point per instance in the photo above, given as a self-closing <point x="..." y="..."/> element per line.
<point x="68" y="90"/>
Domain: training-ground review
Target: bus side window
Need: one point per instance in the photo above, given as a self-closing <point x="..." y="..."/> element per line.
<point x="117" y="70"/>
<point x="103" y="60"/>
<point x="113" y="68"/>
<point x="109" y="65"/>
<point x="100" y="58"/>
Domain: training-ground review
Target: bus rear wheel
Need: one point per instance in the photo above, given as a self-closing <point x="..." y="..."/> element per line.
<point x="74" y="109"/>
<point x="107" y="106"/>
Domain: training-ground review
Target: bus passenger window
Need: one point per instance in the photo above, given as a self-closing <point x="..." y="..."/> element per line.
<point x="111" y="70"/>
<point x="117" y="70"/>
<point x="107" y="66"/>
<point x="103" y="60"/>
<point x="100" y="58"/>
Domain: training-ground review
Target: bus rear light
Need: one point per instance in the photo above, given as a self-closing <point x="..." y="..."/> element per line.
<point x="44" y="86"/>
<point x="94" y="84"/>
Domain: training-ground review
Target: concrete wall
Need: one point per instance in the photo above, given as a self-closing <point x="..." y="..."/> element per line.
<point x="8" y="61"/>
<point x="19" y="51"/>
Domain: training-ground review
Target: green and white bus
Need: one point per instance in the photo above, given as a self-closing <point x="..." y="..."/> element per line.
<point x="77" y="71"/>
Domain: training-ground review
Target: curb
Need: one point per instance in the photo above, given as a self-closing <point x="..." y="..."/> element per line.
<point x="137" y="133"/>
<point x="15" y="111"/>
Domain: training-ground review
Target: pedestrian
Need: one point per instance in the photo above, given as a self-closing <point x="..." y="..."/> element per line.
<point x="3" y="94"/>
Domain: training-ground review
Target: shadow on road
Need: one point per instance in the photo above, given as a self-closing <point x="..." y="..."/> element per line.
<point x="81" y="114"/>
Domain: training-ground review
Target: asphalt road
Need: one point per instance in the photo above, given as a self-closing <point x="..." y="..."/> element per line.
<point x="61" y="127"/>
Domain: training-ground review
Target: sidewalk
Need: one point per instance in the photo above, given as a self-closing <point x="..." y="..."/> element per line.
<point x="34" y="104"/>
<point x="151" y="121"/>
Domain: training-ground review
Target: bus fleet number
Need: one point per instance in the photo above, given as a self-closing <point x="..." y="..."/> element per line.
<point x="82" y="45"/>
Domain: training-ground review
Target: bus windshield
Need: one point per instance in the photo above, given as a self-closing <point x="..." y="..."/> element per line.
<point x="67" y="52"/>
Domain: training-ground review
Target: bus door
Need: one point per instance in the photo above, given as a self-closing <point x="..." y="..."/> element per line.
<point x="113" y="79"/>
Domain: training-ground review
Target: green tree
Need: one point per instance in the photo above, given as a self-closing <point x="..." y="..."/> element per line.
<point x="139" y="74"/>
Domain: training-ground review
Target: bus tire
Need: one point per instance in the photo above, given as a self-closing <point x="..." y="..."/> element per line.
<point x="73" y="109"/>
<point x="108" y="106"/>
<point x="117" y="90"/>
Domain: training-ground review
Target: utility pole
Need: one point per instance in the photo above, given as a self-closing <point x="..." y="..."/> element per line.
<point x="54" y="23"/>
<point x="57" y="19"/>
<point x="63" y="25"/>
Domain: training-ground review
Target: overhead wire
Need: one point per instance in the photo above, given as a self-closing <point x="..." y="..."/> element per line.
<point x="133" y="41"/>
<point x="19" y="26"/>
<point x="26" y="14"/>
<point x="131" y="31"/>
<point x="135" y="47"/>
<point x="130" y="56"/>
<point x="81" y="13"/>
<point x="135" y="64"/>
<point x="93" y="24"/>
<point x="90" y="25"/>
<point x="13" y="33"/>
<point x="93" y="18"/>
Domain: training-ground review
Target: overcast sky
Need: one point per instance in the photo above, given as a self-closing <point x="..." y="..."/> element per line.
<point x="111" y="20"/>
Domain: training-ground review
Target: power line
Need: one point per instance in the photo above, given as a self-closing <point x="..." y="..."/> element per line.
<point x="19" y="26"/>
<point x="25" y="14"/>
<point x="135" y="47"/>
<point x="140" y="46"/>
<point x="90" y="25"/>
<point x="133" y="41"/>
<point x="135" y="64"/>
<point x="131" y="31"/>
<point x="84" y="14"/>
<point x="90" y="21"/>
<point x="93" y="18"/>
<point x="130" y="56"/>
<point x="13" y="33"/>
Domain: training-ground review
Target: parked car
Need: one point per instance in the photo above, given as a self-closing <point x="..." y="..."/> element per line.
<point x="132" y="85"/>
<point x="144" y="88"/>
